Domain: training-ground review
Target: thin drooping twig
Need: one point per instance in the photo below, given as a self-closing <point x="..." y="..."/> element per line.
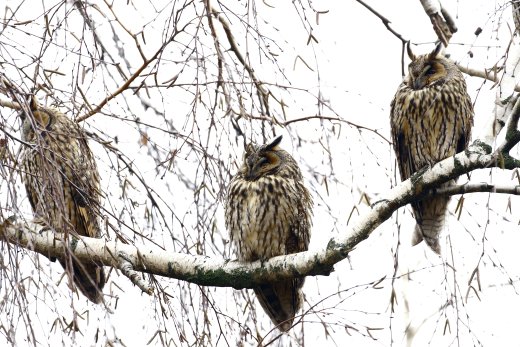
<point x="124" y="86"/>
<point x="132" y="78"/>
<point x="209" y="271"/>
<point x="80" y="5"/>
<point x="263" y="93"/>
<point x="385" y="21"/>
<point x="332" y="119"/>
<point x="217" y="272"/>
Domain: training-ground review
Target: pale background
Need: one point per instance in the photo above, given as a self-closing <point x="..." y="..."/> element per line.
<point x="354" y="68"/>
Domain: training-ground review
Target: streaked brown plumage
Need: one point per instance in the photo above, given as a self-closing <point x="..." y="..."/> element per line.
<point x="431" y="118"/>
<point x="516" y="14"/>
<point x="62" y="183"/>
<point x="268" y="213"/>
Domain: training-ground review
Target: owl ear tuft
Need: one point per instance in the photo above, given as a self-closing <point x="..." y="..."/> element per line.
<point x="33" y="102"/>
<point x="437" y="51"/>
<point x="409" y="51"/>
<point x="274" y="143"/>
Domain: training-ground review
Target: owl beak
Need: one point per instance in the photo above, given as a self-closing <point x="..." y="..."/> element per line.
<point x="251" y="175"/>
<point x="419" y="83"/>
<point x="251" y="171"/>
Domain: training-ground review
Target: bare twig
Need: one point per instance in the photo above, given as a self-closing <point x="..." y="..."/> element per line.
<point x="318" y="117"/>
<point x="123" y="87"/>
<point x="385" y="21"/>
<point x="215" y="272"/>
<point x="263" y="93"/>
<point x="132" y="78"/>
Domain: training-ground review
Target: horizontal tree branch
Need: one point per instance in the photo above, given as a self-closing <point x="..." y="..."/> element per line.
<point x="487" y="74"/>
<point x="476" y="188"/>
<point x="209" y="271"/>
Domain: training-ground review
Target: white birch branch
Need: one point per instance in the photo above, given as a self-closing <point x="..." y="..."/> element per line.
<point x="218" y="272"/>
<point x="505" y="91"/>
<point x="443" y="23"/>
<point x="487" y="74"/>
<point x="209" y="271"/>
<point x="476" y="188"/>
<point x="503" y="105"/>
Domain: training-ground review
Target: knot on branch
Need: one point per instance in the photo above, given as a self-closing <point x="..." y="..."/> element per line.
<point x="127" y="268"/>
<point x="484" y="147"/>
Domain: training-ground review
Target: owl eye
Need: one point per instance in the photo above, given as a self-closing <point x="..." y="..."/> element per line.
<point x="262" y="161"/>
<point x="430" y="71"/>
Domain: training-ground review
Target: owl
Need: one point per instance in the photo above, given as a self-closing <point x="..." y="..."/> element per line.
<point x="62" y="183"/>
<point x="431" y="118"/>
<point x="516" y="14"/>
<point x="268" y="213"/>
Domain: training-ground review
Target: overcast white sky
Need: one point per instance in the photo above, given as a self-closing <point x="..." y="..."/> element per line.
<point x="355" y="66"/>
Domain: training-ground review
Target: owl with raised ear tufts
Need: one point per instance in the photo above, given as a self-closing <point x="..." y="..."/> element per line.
<point x="431" y="118"/>
<point x="268" y="213"/>
<point x="62" y="183"/>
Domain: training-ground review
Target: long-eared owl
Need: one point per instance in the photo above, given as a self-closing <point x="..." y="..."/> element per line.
<point x="62" y="183"/>
<point x="431" y="118"/>
<point x="268" y="213"/>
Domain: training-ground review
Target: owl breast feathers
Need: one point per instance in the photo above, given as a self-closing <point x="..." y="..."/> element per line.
<point x="62" y="183"/>
<point x="268" y="213"/>
<point x="431" y="119"/>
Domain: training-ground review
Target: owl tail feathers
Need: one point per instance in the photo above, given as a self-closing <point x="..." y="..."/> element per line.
<point x="430" y="214"/>
<point x="90" y="280"/>
<point x="281" y="301"/>
<point x="429" y="231"/>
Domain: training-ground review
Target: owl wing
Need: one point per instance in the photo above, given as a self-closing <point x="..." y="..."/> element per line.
<point x="30" y="181"/>
<point x="401" y="141"/>
<point x="465" y="131"/>
<point x="83" y="187"/>
<point x="85" y="191"/>
<point x="401" y="138"/>
<point x="282" y="300"/>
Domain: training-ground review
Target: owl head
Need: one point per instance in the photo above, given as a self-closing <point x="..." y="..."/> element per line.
<point x="429" y="69"/>
<point x="263" y="160"/>
<point x="39" y="119"/>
